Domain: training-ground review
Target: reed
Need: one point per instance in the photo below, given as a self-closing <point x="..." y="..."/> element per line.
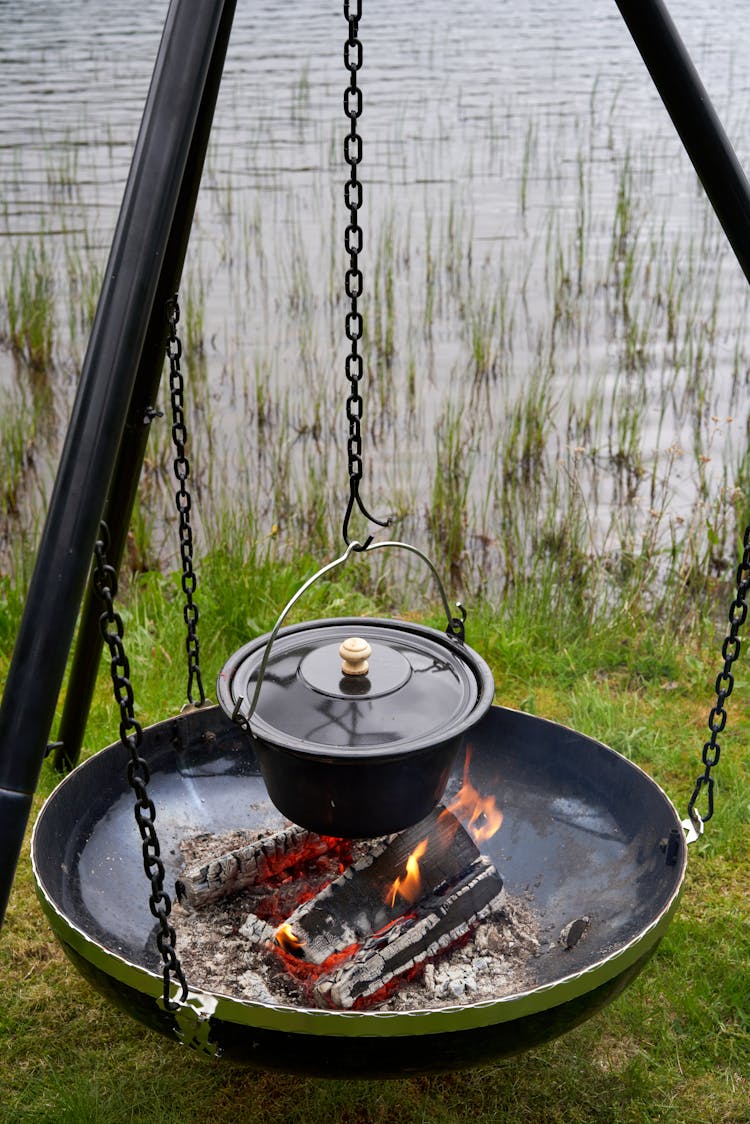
<point x="455" y="458"/>
<point x="84" y="275"/>
<point x="17" y="432"/>
<point x="546" y="373"/>
<point x="529" y="147"/>
<point x="30" y="304"/>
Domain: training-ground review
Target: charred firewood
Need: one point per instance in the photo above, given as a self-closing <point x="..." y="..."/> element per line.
<point x="435" y="924"/>
<point x="262" y="857"/>
<point x="366" y="897"/>
<point x="257" y="930"/>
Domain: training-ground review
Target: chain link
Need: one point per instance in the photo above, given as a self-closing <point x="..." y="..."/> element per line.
<point x="353" y="283"/>
<point x="717" y="719"/>
<point x="184" y="503"/>
<point x="131" y="736"/>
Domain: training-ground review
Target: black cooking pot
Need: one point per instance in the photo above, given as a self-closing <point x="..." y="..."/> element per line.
<point x="356" y="722"/>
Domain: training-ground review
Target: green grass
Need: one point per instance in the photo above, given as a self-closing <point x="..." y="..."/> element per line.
<point x="674" y="1047"/>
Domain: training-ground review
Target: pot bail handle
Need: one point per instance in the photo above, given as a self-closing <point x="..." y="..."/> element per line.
<point x="455" y="629"/>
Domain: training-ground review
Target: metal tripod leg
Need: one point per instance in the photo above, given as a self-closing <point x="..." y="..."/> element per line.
<point x="147" y="218"/>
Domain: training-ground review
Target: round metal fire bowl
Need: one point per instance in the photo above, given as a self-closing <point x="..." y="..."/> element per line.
<point x="585" y="834"/>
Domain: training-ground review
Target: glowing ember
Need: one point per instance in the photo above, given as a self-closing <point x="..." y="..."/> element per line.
<point x="480" y="815"/>
<point x="410" y="887"/>
<point x="287" y="940"/>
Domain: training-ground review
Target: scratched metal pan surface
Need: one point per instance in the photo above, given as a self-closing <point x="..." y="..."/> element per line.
<point x="583" y="835"/>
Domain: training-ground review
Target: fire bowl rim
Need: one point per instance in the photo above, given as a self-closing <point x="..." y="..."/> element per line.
<point x="364" y="1024"/>
<point x="313" y="1021"/>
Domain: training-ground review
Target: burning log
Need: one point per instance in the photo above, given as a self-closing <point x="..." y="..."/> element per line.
<point x="383" y="920"/>
<point x="257" y="930"/>
<point x="436" y="924"/>
<point x="372" y="894"/>
<point x="255" y="862"/>
<point x="225" y="949"/>
<point x="347" y="923"/>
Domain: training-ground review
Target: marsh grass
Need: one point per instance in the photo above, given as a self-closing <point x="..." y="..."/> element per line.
<point x="18" y="423"/>
<point x="30" y="304"/>
<point x="85" y="271"/>
<point x="550" y="377"/>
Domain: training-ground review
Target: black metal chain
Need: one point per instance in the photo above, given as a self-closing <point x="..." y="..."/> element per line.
<point x="184" y="503"/>
<point x="131" y="736"/>
<point x="353" y="276"/>
<point x="730" y="650"/>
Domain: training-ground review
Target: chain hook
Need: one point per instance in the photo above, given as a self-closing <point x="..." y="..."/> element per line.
<point x="456" y="625"/>
<point x="184" y="504"/>
<point x="131" y="736"/>
<point x="717" y="719"/>
<point x="355" y="498"/>
<point x="353" y="282"/>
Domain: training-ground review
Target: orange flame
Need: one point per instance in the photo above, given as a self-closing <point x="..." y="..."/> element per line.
<point x="409" y="887"/>
<point x="287" y="940"/>
<point x="482" y="813"/>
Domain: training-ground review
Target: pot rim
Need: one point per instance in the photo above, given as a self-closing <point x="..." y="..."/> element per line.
<point x="274" y="738"/>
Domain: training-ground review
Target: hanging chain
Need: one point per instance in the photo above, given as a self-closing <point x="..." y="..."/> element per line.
<point x="717" y="719"/>
<point x="184" y="503"/>
<point x="131" y="736"/>
<point x="353" y="276"/>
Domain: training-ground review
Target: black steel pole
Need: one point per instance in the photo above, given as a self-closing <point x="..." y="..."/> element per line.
<point x="96" y="426"/>
<point x="85" y="665"/>
<point x="694" y="117"/>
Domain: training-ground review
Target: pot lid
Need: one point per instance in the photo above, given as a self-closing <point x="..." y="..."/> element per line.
<point x="404" y="687"/>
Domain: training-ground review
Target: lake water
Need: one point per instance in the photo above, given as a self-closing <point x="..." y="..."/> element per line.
<point x="554" y="320"/>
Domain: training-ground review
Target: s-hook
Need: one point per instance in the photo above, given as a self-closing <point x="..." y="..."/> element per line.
<point x="353" y="276"/>
<point x="717" y="719"/>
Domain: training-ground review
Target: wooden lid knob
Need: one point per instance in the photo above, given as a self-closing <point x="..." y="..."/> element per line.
<point x="355" y="653"/>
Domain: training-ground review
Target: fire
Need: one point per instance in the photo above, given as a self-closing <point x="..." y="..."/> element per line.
<point x="288" y="940"/>
<point x="480" y="814"/>
<point x="409" y="887"/>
